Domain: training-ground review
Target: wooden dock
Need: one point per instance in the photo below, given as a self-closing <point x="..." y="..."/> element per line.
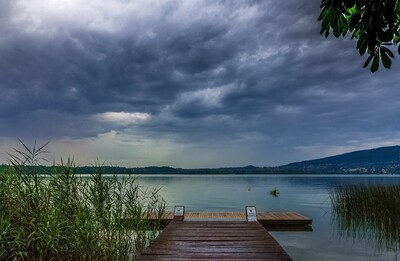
<point x="214" y="240"/>
<point x="273" y="221"/>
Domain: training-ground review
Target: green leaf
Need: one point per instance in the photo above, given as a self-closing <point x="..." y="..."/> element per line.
<point x="397" y="8"/>
<point x="387" y="51"/>
<point x="326" y="21"/>
<point x="334" y="17"/>
<point x="352" y="10"/>
<point x="323" y="14"/>
<point x="325" y="24"/>
<point x="337" y="30"/>
<point x="324" y="3"/>
<point x="356" y="34"/>
<point x="375" y="62"/>
<point x="396" y="39"/>
<point x="387" y="63"/>
<point x="368" y="60"/>
<point x="362" y="43"/>
<point x="343" y="24"/>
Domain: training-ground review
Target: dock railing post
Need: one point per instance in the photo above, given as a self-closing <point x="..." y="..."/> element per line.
<point x="251" y="213"/>
<point x="179" y="213"/>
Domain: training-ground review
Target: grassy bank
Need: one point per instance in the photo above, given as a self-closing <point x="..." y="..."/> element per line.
<point x="61" y="216"/>
<point x="369" y="212"/>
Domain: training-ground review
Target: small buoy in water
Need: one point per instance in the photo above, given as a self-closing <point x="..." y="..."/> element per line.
<point x="249" y="189"/>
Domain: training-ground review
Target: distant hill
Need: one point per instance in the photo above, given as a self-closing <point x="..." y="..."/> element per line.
<point x="387" y="158"/>
<point x="374" y="161"/>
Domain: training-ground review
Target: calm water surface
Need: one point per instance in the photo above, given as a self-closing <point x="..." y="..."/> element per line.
<point x="306" y="194"/>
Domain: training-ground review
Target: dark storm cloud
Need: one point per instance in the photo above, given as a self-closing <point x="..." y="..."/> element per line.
<point x="80" y="71"/>
<point x="239" y="71"/>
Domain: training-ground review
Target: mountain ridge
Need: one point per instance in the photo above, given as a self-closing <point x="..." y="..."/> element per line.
<point x="382" y="160"/>
<point x="382" y="157"/>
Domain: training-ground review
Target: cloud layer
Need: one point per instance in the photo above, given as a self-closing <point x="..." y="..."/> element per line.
<point x="187" y="83"/>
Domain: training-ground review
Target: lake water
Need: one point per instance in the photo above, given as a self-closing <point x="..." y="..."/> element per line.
<point x="306" y="194"/>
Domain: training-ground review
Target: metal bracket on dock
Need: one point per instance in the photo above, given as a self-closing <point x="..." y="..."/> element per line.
<point x="251" y="213"/>
<point x="179" y="213"/>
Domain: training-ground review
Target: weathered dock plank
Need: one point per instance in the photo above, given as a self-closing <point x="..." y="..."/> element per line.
<point x="209" y="240"/>
<point x="267" y="216"/>
<point x="271" y="220"/>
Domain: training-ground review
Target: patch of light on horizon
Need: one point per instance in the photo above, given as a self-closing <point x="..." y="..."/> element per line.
<point x="119" y="149"/>
<point x="123" y="118"/>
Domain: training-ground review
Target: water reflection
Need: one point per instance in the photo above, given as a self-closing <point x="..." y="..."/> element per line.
<point x="369" y="212"/>
<point x="306" y="194"/>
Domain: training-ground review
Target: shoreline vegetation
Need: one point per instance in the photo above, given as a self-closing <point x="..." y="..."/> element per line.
<point x="251" y="170"/>
<point x="61" y="216"/>
<point x="369" y="212"/>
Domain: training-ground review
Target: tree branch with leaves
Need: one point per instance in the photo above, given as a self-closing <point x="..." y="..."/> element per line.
<point x="375" y="24"/>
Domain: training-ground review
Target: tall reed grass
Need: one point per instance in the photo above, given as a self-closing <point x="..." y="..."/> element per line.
<point x="370" y="212"/>
<point x="54" y="214"/>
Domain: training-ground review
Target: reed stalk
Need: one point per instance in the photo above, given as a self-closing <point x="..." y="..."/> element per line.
<point x="369" y="212"/>
<point x="54" y="214"/>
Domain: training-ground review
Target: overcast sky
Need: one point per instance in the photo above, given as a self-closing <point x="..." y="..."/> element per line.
<point x="187" y="83"/>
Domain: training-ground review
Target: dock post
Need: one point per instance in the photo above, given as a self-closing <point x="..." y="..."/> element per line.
<point x="251" y="213"/>
<point x="179" y="213"/>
